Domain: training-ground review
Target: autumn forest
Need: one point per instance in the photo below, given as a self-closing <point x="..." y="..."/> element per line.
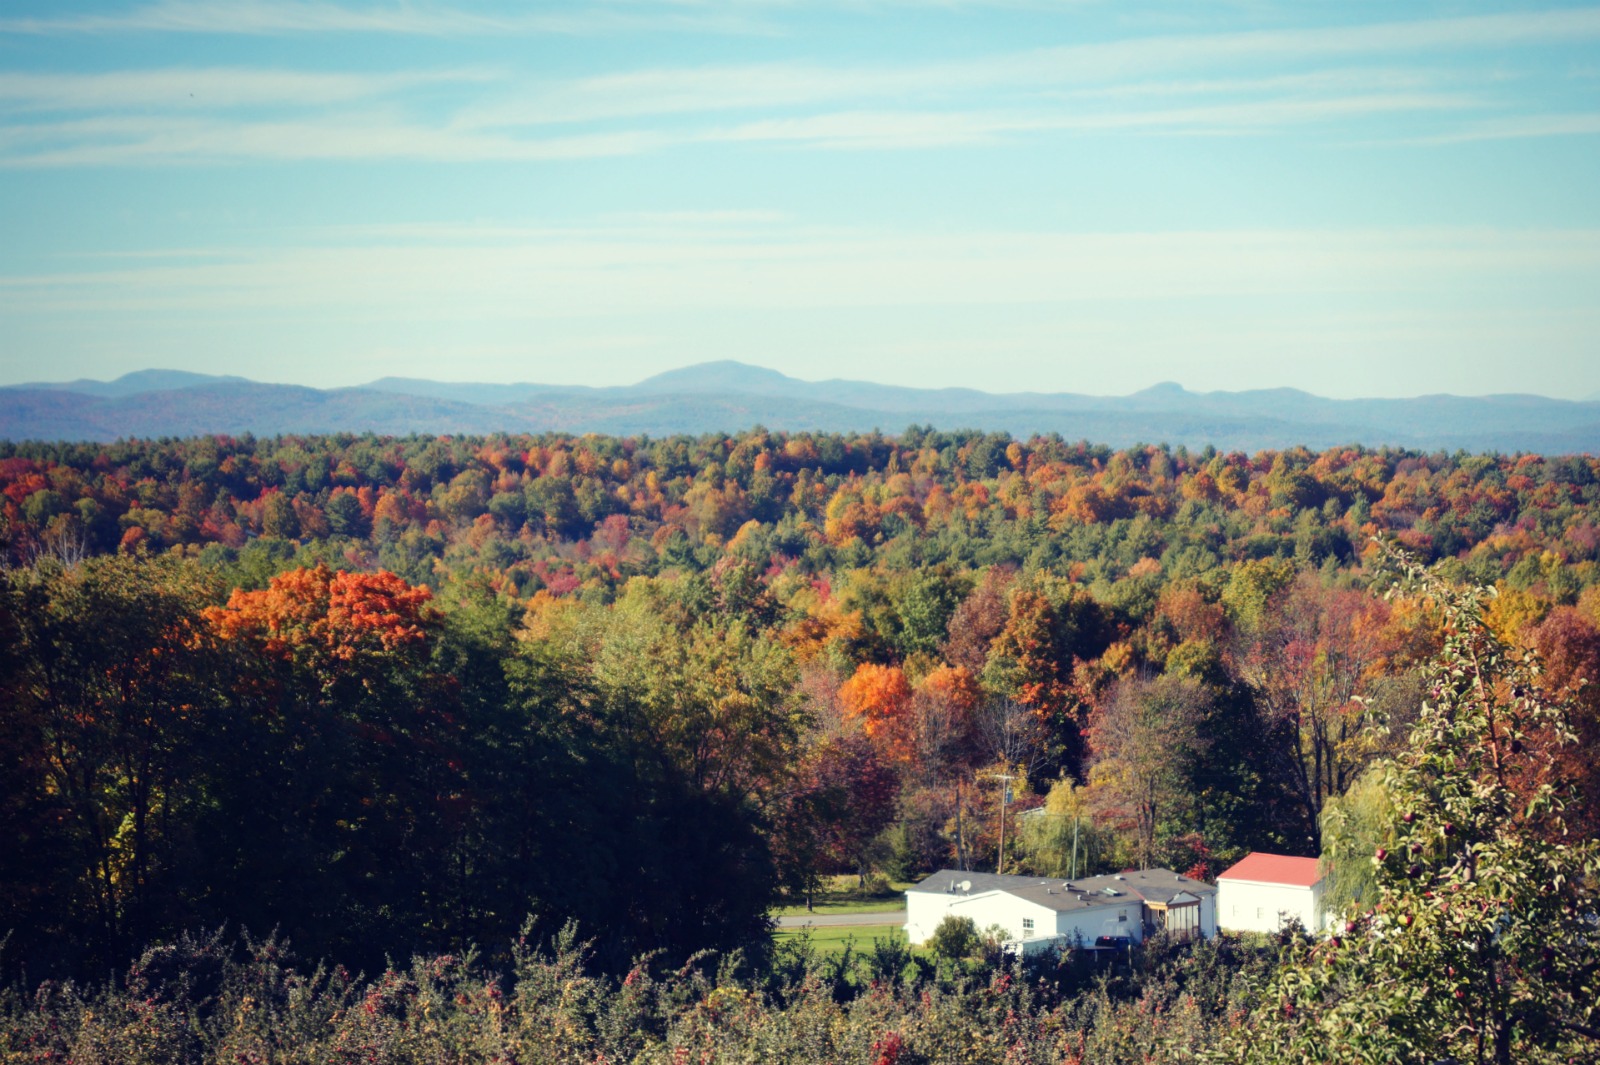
<point x="374" y="699"/>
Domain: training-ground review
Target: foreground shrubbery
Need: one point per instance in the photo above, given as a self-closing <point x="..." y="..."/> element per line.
<point x="203" y="1001"/>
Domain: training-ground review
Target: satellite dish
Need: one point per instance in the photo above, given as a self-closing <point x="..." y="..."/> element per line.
<point x="965" y="886"/>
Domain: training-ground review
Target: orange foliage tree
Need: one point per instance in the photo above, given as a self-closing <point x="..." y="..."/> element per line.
<point x="880" y="698"/>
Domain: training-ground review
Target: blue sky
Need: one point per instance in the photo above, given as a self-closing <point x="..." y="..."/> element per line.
<point x="1353" y="198"/>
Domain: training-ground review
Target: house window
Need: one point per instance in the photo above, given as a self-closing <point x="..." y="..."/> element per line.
<point x="1027" y="928"/>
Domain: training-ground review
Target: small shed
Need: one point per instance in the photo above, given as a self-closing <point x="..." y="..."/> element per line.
<point x="1263" y="892"/>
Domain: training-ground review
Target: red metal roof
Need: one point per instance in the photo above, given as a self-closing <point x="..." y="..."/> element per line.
<point x="1264" y="868"/>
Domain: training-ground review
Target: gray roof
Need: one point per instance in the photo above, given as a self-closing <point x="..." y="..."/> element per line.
<point x="1158" y="886"/>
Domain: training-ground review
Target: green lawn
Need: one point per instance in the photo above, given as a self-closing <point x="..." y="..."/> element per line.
<point x="841" y="894"/>
<point x="833" y="940"/>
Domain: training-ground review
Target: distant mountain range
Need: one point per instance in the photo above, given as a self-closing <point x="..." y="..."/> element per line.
<point x="729" y="396"/>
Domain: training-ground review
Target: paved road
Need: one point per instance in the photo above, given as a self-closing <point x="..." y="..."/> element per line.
<point x="842" y="920"/>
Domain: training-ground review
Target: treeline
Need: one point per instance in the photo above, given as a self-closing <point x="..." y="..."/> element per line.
<point x="387" y="695"/>
<point x="568" y="513"/>
<point x="336" y="758"/>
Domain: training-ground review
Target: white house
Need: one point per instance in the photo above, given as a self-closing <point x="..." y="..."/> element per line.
<point x="1263" y="891"/>
<point x="1038" y="913"/>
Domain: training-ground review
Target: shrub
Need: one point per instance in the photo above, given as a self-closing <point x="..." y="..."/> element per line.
<point x="955" y="938"/>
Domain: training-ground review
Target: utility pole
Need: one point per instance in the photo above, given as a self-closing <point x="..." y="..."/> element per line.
<point x="961" y="835"/>
<point x="1074" y="846"/>
<point x="1005" y="793"/>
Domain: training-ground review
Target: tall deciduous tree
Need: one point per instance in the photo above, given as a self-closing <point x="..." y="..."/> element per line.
<point x="1053" y="625"/>
<point x="1147" y="736"/>
<point x="341" y="799"/>
<point x="977" y="620"/>
<point x="1568" y="642"/>
<point x="880" y="698"/>
<point x="1311" y="655"/>
<point x="840" y="797"/>
<point x="1062" y="838"/>
<point x="1479" y="943"/>
<point x="111" y="678"/>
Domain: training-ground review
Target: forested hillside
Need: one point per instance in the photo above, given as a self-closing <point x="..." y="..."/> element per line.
<point x="390" y="696"/>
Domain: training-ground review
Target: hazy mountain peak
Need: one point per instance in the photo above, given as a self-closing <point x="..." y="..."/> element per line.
<point x="1163" y="390"/>
<point x="724" y="375"/>
<point x="138" y="382"/>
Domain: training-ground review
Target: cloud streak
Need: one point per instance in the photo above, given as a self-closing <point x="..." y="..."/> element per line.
<point x="1118" y="64"/>
<point x="275" y="17"/>
<point x="1522" y="127"/>
<point x="382" y="135"/>
<point x="648" y="266"/>
<point x="200" y="89"/>
<point x="279" y="17"/>
<point x="1197" y="84"/>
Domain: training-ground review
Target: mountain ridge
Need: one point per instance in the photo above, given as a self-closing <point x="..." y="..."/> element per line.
<point x="727" y="396"/>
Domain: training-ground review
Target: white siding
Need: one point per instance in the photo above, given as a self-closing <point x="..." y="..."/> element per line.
<point x="1119" y="916"/>
<point x="1246" y="906"/>
<point x="1116" y="917"/>
<point x="924" y="911"/>
<point x="1008" y="911"/>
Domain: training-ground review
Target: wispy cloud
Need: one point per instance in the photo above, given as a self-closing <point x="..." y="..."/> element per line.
<point x="191" y="89"/>
<point x="889" y="130"/>
<point x="1120" y="66"/>
<point x="267" y="17"/>
<point x="1522" y="126"/>
<point x="640" y="267"/>
<point x="1204" y="83"/>
<point x="374" y="136"/>
<point x="384" y="135"/>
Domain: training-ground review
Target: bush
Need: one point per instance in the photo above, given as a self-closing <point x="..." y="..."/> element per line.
<point x="955" y="938"/>
<point x="205" y="1001"/>
<point x="887" y="960"/>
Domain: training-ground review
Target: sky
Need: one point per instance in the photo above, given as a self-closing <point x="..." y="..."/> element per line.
<point x="1353" y="198"/>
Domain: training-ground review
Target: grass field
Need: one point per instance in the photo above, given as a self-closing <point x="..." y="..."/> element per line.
<point x="833" y="940"/>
